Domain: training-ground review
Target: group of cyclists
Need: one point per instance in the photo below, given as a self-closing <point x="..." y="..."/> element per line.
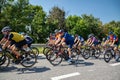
<point x="63" y="38"/>
<point x="15" y="41"/>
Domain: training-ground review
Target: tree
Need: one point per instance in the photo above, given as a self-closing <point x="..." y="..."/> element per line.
<point x="71" y="22"/>
<point x="38" y="24"/>
<point x="56" y="18"/>
<point x="112" y="26"/>
<point x="84" y="25"/>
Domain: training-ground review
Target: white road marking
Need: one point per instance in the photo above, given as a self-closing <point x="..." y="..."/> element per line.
<point x="65" y="76"/>
<point x="115" y="64"/>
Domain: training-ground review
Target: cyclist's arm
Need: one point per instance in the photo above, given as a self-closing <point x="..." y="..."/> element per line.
<point x="3" y="40"/>
<point x="75" y="40"/>
<point x="92" y="41"/>
<point x="63" y="39"/>
<point x="78" y="41"/>
<point x="89" y="41"/>
<point x="58" y="40"/>
<point x="113" y="42"/>
<point x="6" y="44"/>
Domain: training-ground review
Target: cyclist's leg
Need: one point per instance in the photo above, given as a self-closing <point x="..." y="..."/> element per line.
<point x="24" y="45"/>
<point x="69" y="49"/>
<point x="19" y="45"/>
<point x="117" y="54"/>
<point x="14" y="50"/>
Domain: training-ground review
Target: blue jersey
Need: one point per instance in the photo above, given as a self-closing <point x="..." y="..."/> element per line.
<point x="68" y="38"/>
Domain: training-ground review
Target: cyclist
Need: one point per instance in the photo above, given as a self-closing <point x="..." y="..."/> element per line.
<point x="57" y="37"/>
<point x="92" y="41"/>
<point x="112" y="40"/>
<point x="79" y="41"/>
<point x="51" y="39"/>
<point x="68" y="40"/>
<point x="15" y="40"/>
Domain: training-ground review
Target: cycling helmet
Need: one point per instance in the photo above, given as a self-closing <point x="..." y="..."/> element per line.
<point x="56" y="30"/>
<point x="90" y="35"/>
<point x="7" y="28"/>
<point x="61" y="30"/>
<point x="76" y="35"/>
<point x="110" y="32"/>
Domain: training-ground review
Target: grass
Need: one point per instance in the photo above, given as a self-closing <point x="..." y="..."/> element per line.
<point x="40" y="49"/>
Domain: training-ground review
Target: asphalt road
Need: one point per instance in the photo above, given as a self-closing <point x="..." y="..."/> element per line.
<point x="91" y="69"/>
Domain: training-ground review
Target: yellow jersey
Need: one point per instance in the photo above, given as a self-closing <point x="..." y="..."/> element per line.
<point x="16" y="36"/>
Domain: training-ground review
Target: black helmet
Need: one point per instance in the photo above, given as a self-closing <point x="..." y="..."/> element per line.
<point x="62" y="30"/>
<point x="6" y="28"/>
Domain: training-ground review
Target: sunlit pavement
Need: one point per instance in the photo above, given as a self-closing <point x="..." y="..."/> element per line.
<point x="91" y="69"/>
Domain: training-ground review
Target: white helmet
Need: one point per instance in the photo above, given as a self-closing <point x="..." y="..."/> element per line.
<point x="7" y="28"/>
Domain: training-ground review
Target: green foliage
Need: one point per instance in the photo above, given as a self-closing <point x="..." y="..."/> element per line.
<point x="56" y="18"/>
<point x="19" y="13"/>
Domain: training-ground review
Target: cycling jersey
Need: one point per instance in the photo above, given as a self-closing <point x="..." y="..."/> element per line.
<point x="112" y="37"/>
<point x="81" y="38"/>
<point x="57" y="36"/>
<point x="94" y="40"/>
<point x="28" y="39"/>
<point x="15" y="37"/>
<point x="69" y="40"/>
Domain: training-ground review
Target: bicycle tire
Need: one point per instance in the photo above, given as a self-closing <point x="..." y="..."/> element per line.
<point x="5" y="61"/>
<point x="45" y="49"/>
<point x="27" y="58"/>
<point x="35" y="50"/>
<point x="86" y="54"/>
<point x="97" y="53"/>
<point x="108" y="54"/>
<point x="53" y="57"/>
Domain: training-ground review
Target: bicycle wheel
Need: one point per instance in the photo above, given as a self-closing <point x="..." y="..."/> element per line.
<point x="35" y="50"/>
<point x="1" y="57"/>
<point x="54" y="58"/>
<point x="46" y="49"/>
<point x="74" y="54"/>
<point x="29" y="59"/>
<point x="107" y="56"/>
<point x="97" y="53"/>
<point x="86" y="54"/>
<point x="5" y="61"/>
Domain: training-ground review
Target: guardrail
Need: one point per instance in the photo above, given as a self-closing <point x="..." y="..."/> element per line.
<point x="38" y="45"/>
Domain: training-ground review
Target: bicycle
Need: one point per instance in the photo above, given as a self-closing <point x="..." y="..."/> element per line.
<point x="89" y="51"/>
<point x="56" y="55"/>
<point x="29" y="58"/>
<point x="110" y="53"/>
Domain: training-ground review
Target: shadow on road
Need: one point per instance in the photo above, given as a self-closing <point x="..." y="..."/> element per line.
<point x="33" y="70"/>
<point x="24" y="70"/>
<point x="79" y="63"/>
<point x="41" y="57"/>
<point x="8" y="69"/>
